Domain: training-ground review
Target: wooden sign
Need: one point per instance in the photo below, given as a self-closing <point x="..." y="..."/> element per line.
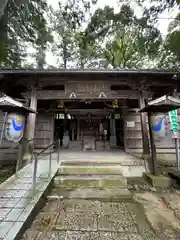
<point x="130" y="124"/>
<point x="87" y="90"/>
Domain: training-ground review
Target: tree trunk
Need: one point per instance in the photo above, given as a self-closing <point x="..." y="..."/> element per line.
<point x="81" y="62"/>
<point x="3" y="5"/>
<point x="3" y="36"/>
<point x="64" y="53"/>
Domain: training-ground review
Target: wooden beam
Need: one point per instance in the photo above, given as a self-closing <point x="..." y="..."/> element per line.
<point x="73" y="94"/>
<point x="82" y="111"/>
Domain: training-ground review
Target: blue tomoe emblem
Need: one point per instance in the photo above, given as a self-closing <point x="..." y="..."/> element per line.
<point x="158" y="126"/>
<point x="14" y="129"/>
<point x="17" y="127"/>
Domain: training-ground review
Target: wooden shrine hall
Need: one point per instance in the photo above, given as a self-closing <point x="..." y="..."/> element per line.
<point x="89" y="109"/>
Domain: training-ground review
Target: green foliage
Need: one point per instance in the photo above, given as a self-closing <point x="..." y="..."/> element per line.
<point x="171" y="45"/>
<point x="80" y="37"/>
<point x="173" y="42"/>
<point x="132" y="39"/>
<point x="22" y="24"/>
<point x="108" y="39"/>
<point x="168" y="52"/>
<point x="73" y="42"/>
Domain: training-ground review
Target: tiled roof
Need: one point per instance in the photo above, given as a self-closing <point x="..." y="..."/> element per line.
<point x="86" y="71"/>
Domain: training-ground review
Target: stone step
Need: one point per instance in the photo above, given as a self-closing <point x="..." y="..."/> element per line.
<point x="90" y="169"/>
<point x="100" y="162"/>
<point x="126" y="171"/>
<point x="115" y="194"/>
<point x="94" y="181"/>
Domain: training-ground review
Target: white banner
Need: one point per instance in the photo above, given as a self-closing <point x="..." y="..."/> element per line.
<point x="14" y="128"/>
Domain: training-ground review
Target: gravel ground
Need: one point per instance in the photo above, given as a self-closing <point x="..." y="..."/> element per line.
<point x="85" y="219"/>
<point x="6" y="172"/>
<point x="79" y="219"/>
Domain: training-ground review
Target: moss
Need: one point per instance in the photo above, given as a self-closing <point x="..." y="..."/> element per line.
<point x="88" y="170"/>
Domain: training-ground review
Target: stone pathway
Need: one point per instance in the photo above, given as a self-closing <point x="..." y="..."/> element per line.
<point x="90" y="220"/>
<point x="78" y="210"/>
<point x="84" y="212"/>
<point x="16" y="203"/>
<point x="68" y="216"/>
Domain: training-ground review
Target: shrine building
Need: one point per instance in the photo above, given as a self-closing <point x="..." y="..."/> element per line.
<point x="89" y="110"/>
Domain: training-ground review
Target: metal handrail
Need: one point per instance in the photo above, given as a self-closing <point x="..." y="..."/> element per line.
<point x="44" y="149"/>
<point x="36" y="156"/>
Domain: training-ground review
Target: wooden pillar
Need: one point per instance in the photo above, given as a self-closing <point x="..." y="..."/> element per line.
<point x="112" y="131"/>
<point x="31" y="120"/>
<point x="22" y="150"/>
<point x="153" y="165"/>
<point x="144" y="130"/>
<point x="65" y="122"/>
<point x="78" y="137"/>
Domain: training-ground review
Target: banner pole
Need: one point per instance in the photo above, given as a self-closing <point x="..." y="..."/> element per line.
<point x="177" y="153"/>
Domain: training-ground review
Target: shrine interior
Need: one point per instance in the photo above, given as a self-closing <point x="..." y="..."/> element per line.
<point x="89" y="120"/>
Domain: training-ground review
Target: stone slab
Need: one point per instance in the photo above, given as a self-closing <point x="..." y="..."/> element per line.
<point x="95" y="158"/>
<point x="84" y="170"/>
<point x="93" y="181"/>
<point x="159" y="181"/>
<point x="115" y="194"/>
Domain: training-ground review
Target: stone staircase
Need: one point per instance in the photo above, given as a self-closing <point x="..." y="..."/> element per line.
<point x="90" y="180"/>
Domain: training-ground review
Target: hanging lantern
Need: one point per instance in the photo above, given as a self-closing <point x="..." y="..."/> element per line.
<point x="61" y="104"/>
<point x="115" y="103"/>
<point x="88" y="102"/>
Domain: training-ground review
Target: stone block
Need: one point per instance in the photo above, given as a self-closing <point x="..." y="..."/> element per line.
<point x="159" y="181"/>
<point x="76" y="145"/>
<point x="113" y="143"/>
<point x="89" y="170"/>
<point x="91" y="182"/>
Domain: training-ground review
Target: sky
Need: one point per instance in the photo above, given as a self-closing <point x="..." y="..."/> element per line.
<point x="162" y="24"/>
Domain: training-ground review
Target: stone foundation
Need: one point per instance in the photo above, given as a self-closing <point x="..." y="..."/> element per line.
<point x="76" y="145"/>
<point x="159" y="181"/>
